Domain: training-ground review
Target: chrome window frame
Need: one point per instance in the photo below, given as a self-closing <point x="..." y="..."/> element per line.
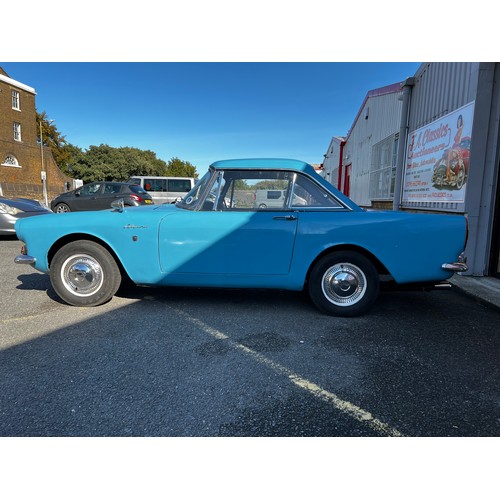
<point x="287" y="206"/>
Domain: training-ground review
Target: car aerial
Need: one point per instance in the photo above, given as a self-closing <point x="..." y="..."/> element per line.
<point x="13" y="209"/>
<point x="218" y="237"/>
<point x="99" y="196"/>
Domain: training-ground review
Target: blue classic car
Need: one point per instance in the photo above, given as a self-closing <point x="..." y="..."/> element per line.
<point x="220" y="234"/>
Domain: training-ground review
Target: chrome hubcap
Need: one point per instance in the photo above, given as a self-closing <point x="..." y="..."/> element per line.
<point x="82" y="275"/>
<point x="344" y="284"/>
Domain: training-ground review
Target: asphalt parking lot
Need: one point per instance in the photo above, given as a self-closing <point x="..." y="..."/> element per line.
<point x="176" y="362"/>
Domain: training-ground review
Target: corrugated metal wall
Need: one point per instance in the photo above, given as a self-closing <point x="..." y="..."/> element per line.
<point x="331" y="162"/>
<point x="380" y="118"/>
<point x="440" y="88"/>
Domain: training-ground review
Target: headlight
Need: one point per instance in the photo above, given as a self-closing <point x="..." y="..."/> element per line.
<point x="6" y="209"/>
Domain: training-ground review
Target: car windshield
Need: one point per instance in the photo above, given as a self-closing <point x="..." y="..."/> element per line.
<point x="191" y="200"/>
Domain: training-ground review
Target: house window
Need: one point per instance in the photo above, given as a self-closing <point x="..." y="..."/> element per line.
<point x="17" y="131"/>
<point x="10" y="161"/>
<point x="383" y="168"/>
<point x="16" y="102"/>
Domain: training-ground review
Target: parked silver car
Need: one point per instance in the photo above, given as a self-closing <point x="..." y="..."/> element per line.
<point x="13" y="209"/>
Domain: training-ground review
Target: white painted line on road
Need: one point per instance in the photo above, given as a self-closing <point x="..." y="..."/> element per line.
<point x="344" y="406"/>
<point x="21" y="318"/>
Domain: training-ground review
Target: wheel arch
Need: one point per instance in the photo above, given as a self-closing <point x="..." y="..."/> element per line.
<point x="381" y="269"/>
<point x="88" y="237"/>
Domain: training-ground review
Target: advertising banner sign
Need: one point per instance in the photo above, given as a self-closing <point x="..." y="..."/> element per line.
<point x="437" y="159"/>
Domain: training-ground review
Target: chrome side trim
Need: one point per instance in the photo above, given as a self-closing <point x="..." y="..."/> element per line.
<point x="25" y="259"/>
<point x="442" y="286"/>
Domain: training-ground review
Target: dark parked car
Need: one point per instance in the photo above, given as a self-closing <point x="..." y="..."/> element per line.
<point x="13" y="209"/>
<point x="99" y="196"/>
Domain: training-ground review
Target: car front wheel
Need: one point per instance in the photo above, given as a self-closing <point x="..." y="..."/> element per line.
<point x="343" y="283"/>
<point x="83" y="273"/>
<point x="61" y="208"/>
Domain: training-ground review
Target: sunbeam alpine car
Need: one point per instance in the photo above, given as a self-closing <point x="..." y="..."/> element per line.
<point x="222" y="235"/>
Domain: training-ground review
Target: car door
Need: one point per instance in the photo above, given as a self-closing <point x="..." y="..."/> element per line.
<point x="110" y="192"/>
<point x="229" y="235"/>
<point x="86" y="197"/>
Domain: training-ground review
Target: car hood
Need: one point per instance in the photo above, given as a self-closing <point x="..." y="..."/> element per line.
<point x="64" y="195"/>
<point x="98" y="223"/>
<point x="23" y="204"/>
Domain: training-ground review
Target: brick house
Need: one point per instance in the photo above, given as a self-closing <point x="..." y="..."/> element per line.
<point x="20" y="152"/>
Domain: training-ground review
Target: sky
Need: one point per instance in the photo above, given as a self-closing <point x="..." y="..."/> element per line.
<point x="202" y="112"/>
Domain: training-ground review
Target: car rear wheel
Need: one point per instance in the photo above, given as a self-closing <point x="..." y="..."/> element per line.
<point x="343" y="283"/>
<point x="61" y="208"/>
<point x="83" y="273"/>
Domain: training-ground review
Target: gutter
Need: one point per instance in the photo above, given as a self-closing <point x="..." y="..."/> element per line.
<point x="341" y="160"/>
<point x="403" y="138"/>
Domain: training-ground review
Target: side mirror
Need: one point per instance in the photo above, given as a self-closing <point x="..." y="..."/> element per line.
<point x="118" y="205"/>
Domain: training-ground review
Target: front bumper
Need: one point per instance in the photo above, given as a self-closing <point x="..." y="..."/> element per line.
<point x="457" y="267"/>
<point x="25" y="259"/>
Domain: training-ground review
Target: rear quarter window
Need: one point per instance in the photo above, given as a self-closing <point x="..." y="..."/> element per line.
<point x="137" y="189"/>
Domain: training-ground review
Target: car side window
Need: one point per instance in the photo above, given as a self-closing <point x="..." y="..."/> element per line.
<point x="307" y="193"/>
<point x="155" y="185"/>
<point x="112" y="188"/>
<point x="90" y="189"/>
<point x="135" y="189"/>
<point x="252" y="190"/>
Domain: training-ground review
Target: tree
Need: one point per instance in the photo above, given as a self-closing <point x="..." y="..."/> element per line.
<point x="70" y="156"/>
<point x="106" y="163"/>
<point x="52" y="138"/>
<point x="272" y="184"/>
<point x="179" y="168"/>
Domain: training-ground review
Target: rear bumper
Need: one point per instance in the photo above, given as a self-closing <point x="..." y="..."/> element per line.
<point x="457" y="267"/>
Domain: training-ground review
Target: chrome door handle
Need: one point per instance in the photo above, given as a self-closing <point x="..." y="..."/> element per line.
<point x="285" y="217"/>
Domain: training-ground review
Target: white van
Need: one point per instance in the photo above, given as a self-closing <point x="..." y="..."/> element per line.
<point x="164" y="189"/>
<point x="275" y="198"/>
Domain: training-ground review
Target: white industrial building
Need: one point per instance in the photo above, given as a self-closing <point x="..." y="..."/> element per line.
<point x="367" y="171"/>
<point x="430" y="143"/>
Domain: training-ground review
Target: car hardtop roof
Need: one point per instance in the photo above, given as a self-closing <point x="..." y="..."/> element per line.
<point x="285" y="164"/>
<point x="264" y="163"/>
